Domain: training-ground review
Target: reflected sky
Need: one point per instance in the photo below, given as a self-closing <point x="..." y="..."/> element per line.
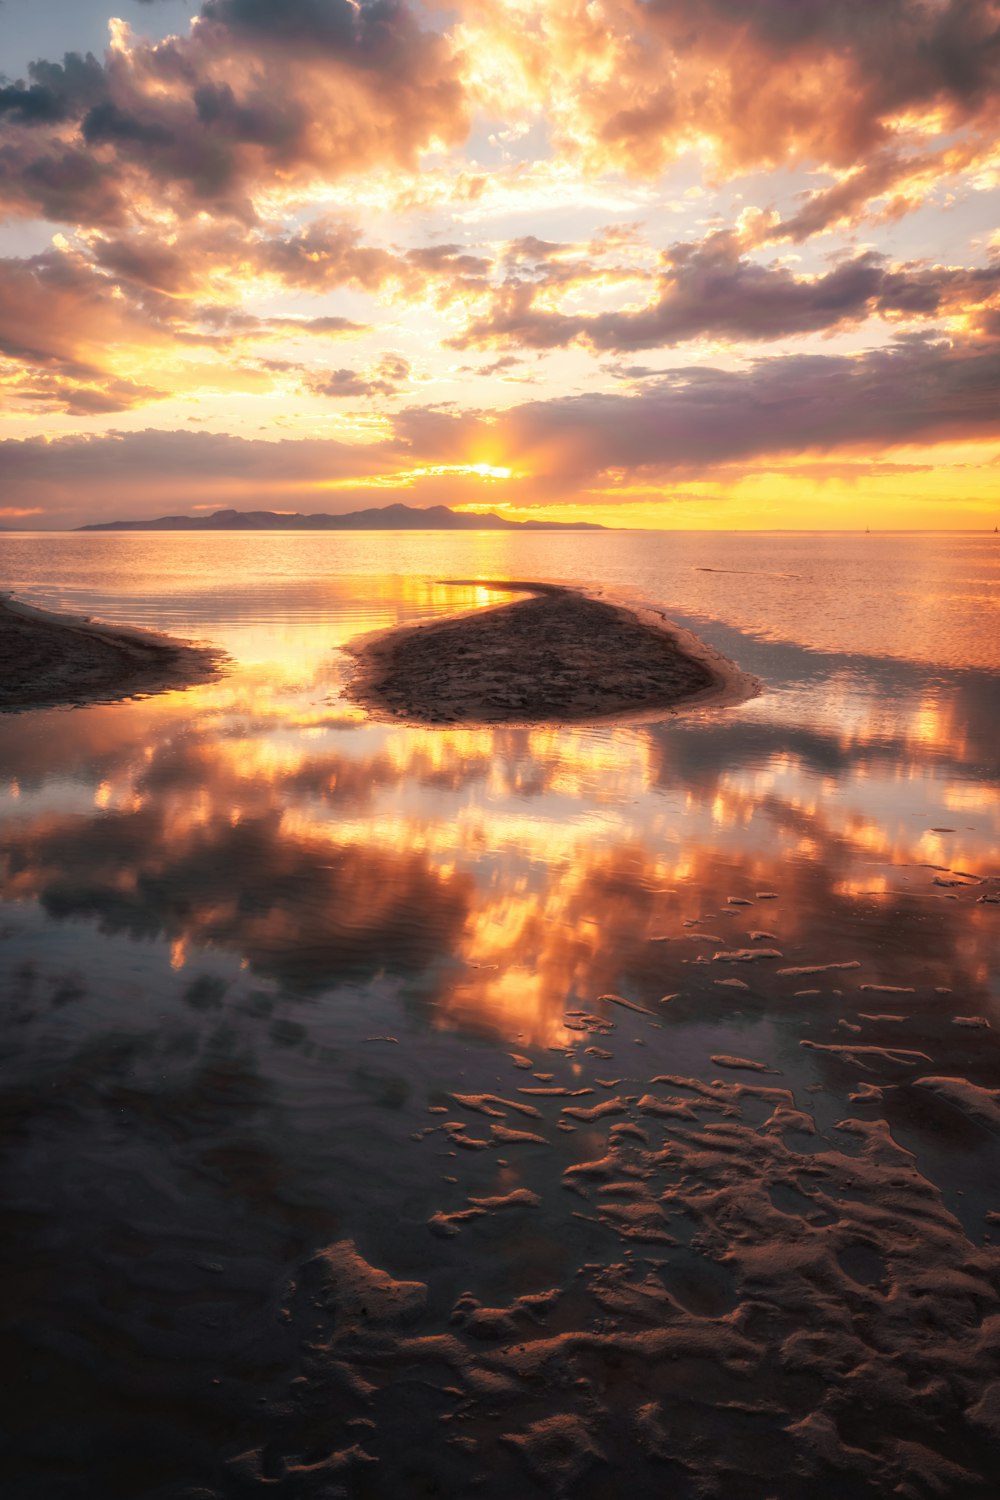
<point x="549" y="861"/>
<point x="262" y="818"/>
<point x="250" y="938"/>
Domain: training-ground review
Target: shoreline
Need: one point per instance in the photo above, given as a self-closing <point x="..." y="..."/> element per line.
<point x="561" y="655"/>
<point x="56" y="660"/>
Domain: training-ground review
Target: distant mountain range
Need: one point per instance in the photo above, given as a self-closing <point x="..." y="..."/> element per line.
<point x="379" y="518"/>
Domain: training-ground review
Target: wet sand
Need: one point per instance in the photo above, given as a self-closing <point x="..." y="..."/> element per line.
<point x="374" y="1140"/>
<point x="559" y="656"/>
<point x="767" y="1297"/>
<point x="50" y="660"/>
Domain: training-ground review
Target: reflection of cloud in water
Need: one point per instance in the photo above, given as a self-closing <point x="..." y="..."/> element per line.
<point x="304" y="913"/>
<point x="201" y="1133"/>
<point x="592" y="929"/>
<point x="311" y="848"/>
<point x="299" y="902"/>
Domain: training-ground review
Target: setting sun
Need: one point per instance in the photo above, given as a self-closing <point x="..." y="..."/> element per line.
<point x="696" y="271"/>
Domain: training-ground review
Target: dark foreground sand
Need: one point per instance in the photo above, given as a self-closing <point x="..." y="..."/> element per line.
<point x="558" y="656"/>
<point x="54" y="660"/>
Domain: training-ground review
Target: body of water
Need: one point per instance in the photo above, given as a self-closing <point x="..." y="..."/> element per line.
<point x="438" y="1112"/>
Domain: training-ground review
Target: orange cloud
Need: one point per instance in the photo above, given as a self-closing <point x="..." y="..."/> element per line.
<point x="684" y="424"/>
<point x="255" y="98"/>
<point x="630" y="84"/>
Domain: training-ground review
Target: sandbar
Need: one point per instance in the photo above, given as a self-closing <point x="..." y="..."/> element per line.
<point x="560" y="655"/>
<point x="50" y="660"/>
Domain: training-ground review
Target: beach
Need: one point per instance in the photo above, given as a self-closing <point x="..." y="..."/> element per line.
<point x="520" y="1108"/>
<point x="559" y="656"/>
<point x="50" y="660"/>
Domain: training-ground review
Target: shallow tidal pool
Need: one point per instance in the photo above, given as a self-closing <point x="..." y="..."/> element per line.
<point x="524" y="1112"/>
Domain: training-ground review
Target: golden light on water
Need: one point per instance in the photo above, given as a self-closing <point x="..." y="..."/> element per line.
<point x="594" y="831"/>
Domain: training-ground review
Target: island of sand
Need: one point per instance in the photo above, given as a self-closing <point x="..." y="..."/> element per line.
<point x="558" y="656"/>
<point x="54" y="660"/>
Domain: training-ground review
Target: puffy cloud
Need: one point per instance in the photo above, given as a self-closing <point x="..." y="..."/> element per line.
<point x="898" y="55"/>
<point x="326" y="254"/>
<point x="630" y="83"/>
<point x="247" y="193"/>
<point x="266" y="98"/>
<point x="57" y="92"/>
<point x="43" y="392"/>
<point x="847" y="198"/>
<point x="384" y="378"/>
<point x="260" y="96"/>
<point x="87" y="315"/>
<point x="147" y="261"/>
<point x="199" y="266"/>
<point x="330" y="253"/>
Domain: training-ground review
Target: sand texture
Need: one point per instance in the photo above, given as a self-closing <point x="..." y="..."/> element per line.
<point x="756" y="1312"/>
<point x="54" y="660"/>
<point x="559" y="657"/>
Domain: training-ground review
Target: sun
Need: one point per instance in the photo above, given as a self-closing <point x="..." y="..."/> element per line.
<point x="489" y="471"/>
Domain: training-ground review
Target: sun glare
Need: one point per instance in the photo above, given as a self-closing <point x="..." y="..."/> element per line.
<point x="489" y="471"/>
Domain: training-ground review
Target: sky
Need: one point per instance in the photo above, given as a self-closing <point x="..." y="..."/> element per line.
<point x="655" y="263"/>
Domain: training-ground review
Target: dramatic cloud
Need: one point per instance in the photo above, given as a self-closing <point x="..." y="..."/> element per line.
<point x="271" y="96"/>
<point x="54" y="311"/>
<point x="62" y="331"/>
<point x="331" y="253"/>
<point x="711" y="290"/>
<point x="691" y="421"/>
<point x="261" y="96"/>
<point x="284" y="222"/>
<point x="695" y="419"/>
<point x="632" y="82"/>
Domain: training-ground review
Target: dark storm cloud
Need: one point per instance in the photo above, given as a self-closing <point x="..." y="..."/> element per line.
<point x="378" y="34"/>
<point x="41" y="170"/>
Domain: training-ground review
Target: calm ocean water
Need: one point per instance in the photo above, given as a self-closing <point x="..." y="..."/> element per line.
<point x="254" y="946"/>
